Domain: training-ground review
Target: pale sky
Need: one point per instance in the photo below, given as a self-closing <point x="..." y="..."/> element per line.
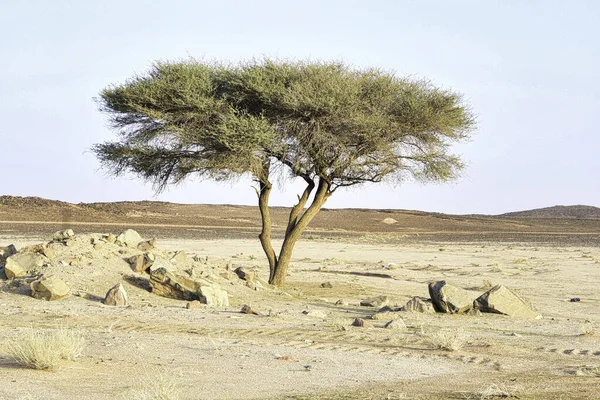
<point x="529" y="69"/>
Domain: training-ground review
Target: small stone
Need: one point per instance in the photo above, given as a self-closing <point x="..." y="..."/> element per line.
<point x="395" y="324"/>
<point x="110" y="238"/>
<point x="315" y="314"/>
<point x="362" y="323"/>
<point x="385" y="316"/>
<point x="244" y="274"/>
<point x="62" y="236"/>
<point x="377" y="301"/>
<point x="341" y="302"/>
<point x="147" y="245"/>
<point x="116" y="296"/>
<point x="139" y="263"/>
<point x="246" y="309"/>
<point x="326" y="285"/>
<point x="49" y="288"/>
<point x="575" y="300"/>
<point x="193" y="305"/>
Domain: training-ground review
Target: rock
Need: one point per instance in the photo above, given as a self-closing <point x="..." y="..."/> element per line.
<point x="377" y="301"/>
<point x="395" y="324"/>
<point x="575" y="300"/>
<point x="502" y="300"/>
<point x="341" y="302"/>
<point x="254" y="285"/>
<point x="244" y="274"/>
<point x="214" y="296"/>
<point x="110" y="238"/>
<point x="129" y="238"/>
<point x="7" y="251"/>
<point x="450" y="299"/>
<point x="326" y="285"/>
<point x="180" y="259"/>
<point x="362" y="323"/>
<point x="193" y="305"/>
<point x="160" y="263"/>
<point x="62" y="236"/>
<point x="140" y="262"/>
<point x="21" y="264"/>
<point x="147" y="245"/>
<point x="315" y="314"/>
<point x="419" y="304"/>
<point x="116" y="296"/>
<point x="168" y="284"/>
<point x="246" y="309"/>
<point x="49" y="252"/>
<point x="385" y="316"/>
<point x="49" y="288"/>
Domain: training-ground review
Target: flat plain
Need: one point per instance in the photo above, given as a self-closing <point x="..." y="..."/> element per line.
<point x="302" y="345"/>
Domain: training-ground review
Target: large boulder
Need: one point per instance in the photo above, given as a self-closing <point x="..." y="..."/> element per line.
<point x="49" y="288"/>
<point x="502" y="300"/>
<point x="169" y="284"/>
<point x="419" y="304"/>
<point x="450" y="299"/>
<point x="129" y="238"/>
<point x="116" y="296"/>
<point x="21" y="264"/>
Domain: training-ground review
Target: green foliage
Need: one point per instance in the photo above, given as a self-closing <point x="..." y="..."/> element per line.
<point x="319" y="120"/>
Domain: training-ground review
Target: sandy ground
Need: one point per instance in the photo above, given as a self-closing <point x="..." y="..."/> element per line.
<point x="221" y="354"/>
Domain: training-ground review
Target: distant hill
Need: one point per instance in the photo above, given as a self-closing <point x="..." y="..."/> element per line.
<point x="572" y="212"/>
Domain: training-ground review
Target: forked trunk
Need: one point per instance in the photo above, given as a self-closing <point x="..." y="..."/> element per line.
<point x="296" y="225"/>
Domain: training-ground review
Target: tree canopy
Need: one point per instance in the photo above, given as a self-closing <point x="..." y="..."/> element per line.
<point x="325" y="122"/>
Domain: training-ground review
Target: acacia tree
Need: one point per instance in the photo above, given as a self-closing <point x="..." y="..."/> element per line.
<point x="328" y="124"/>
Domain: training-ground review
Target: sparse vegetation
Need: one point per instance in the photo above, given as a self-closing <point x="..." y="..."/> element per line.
<point x="45" y="349"/>
<point x="447" y="339"/>
<point x="158" y="386"/>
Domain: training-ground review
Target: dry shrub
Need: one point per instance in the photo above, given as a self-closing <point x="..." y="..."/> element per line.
<point x="45" y="349"/>
<point x="448" y="340"/>
<point x="158" y="386"/>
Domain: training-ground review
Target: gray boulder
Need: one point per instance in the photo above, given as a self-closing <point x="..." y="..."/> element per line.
<point x="395" y="324"/>
<point x="159" y="263"/>
<point x="129" y="238"/>
<point x="502" y="300"/>
<point x="21" y="264"/>
<point x="419" y="304"/>
<point x="168" y="284"/>
<point x="450" y="299"/>
<point x="49" y="288"/>
<point x="377" y="301"/>
<point x="116" y="296"/>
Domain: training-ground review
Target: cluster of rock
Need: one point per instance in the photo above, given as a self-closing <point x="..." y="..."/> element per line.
<point x="167" y="274"/>
<point x="446" y="298"/>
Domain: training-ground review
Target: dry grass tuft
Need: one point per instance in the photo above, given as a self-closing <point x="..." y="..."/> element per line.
<point x="159" y="386"/>
<point x="494" y="391"/>
<point x="45" y="349"/>
<point x="448" y="340"/>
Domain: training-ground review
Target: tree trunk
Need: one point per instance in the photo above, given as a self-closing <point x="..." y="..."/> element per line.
<point x="296" y="226"/>
<point x="265" y="234"/>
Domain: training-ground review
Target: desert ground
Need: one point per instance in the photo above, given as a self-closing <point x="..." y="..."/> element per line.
<point x="301" y="343"/>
